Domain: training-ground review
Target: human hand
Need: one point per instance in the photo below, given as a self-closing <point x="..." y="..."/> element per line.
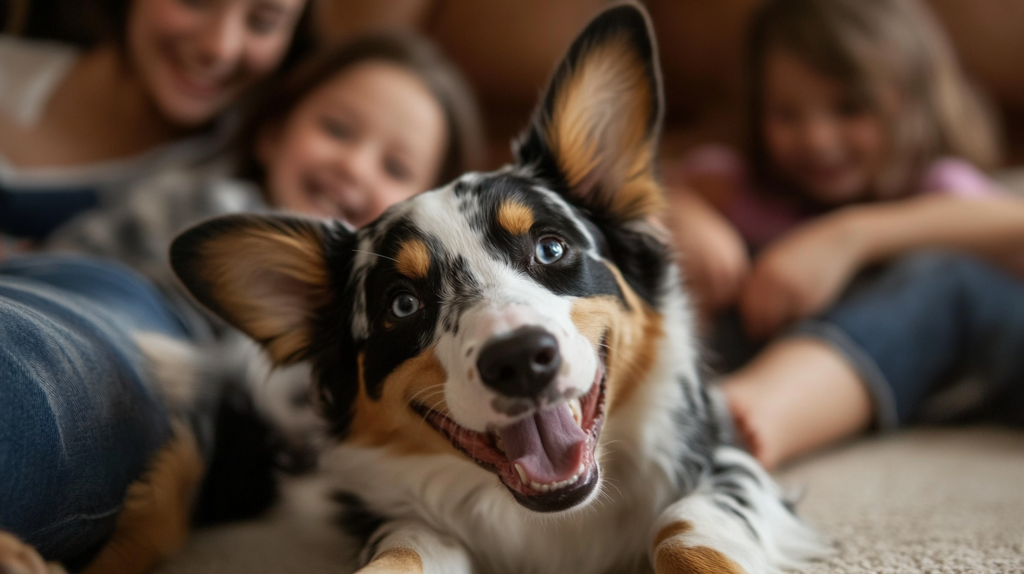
<point x="713" y="255"/>
<point x="9" y="246"/>
<point x="799" y="275"/>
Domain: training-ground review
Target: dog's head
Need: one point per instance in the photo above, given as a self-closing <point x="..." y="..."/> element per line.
<point x="512" y="311"/>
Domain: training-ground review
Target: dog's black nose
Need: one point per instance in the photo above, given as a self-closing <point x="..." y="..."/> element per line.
<point x="520" y="364"/>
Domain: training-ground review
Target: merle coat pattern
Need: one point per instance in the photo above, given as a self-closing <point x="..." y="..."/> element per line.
<point x="506" y="362"/>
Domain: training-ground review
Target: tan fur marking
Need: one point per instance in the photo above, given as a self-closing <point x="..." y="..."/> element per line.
<point x="631" y="336"/>
<point x="403" y="560"/>
<point x="154" y="521"/>
<point x="515" y="218"/>
<point x="670" y="531"/>
<point x="389" y="422"/>
<point x="599" y="131"/>
<point x="413" y="259"/>
<point x="272" y="290"/>
<point x="676" y="558"/>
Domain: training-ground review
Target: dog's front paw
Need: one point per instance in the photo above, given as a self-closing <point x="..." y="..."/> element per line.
<point x="394" y="561"/>
<point x="16" y="557"/>
<point x="673" y="556"/>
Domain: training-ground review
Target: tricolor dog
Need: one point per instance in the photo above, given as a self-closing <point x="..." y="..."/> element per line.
<point x="506" y="363"/>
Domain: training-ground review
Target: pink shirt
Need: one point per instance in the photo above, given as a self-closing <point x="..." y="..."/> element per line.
<point x="761" y="218"/>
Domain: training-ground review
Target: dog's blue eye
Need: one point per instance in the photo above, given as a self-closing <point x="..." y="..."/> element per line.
<point x="549" y="250"/>
<point x="404" y="304"/>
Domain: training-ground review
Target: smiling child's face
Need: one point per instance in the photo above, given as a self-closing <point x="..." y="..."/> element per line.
<point x="370" y="137"/>
<point x="819" y="136"/>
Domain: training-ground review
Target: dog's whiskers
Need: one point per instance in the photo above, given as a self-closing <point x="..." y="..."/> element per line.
<point x="432" y="389"/>
<point x="374" y="254"/>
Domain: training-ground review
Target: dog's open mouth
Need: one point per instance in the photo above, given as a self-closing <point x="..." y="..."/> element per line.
<point x="546" y="459"/>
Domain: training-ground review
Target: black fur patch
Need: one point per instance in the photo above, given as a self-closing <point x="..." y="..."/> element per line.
<point x="355" y="518"/>
<point x="575" y="274"/>
<point x="332" y="349"/>
<point x="241" y="481"/>
<point x="393" y="340"/>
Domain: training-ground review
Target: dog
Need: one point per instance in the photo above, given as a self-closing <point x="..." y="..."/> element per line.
<point x="506" y="363"/>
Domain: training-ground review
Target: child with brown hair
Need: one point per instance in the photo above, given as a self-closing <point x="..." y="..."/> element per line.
<point x="351" y="131"/>
<point x="864" y="146"/>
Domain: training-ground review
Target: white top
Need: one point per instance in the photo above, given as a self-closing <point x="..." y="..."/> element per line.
<point x="29" y="73"/>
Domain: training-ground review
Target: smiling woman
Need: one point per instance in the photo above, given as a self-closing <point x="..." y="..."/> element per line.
<point x="79" y="127"/>
<point x="194" y="57"/>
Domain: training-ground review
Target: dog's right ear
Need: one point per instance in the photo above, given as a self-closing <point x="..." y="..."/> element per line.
<point x="267" y="275"/>
<point x="595" y="130"/>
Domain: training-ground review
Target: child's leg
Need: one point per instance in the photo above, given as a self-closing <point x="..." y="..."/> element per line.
<point x="799" y="394"/>
<point x="900" y="336"/>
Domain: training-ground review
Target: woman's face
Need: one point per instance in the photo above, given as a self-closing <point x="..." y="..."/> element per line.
<point x="371" y="136"/>
<point x="195" y="57"/>
<point x="818" y="135"/>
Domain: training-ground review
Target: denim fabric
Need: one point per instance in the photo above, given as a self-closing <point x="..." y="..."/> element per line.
<point x="78" y="422"/>
<point x="911" y="327"/>
<point x="926" y="319"/>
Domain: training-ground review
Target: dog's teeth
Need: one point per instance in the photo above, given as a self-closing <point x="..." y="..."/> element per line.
<point x="576" y="410"/>
<point x="551" y="486"/>
<point x="500" y="444"/>
<point x="522" y="474"/>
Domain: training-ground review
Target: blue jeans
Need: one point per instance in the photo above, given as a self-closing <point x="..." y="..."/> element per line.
<point x="914" y="326"/>
<point x="78" y="419"/>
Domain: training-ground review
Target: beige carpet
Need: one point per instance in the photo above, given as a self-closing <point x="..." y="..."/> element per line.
<point x="927" y="501"/>
<point x="922" y="501"/>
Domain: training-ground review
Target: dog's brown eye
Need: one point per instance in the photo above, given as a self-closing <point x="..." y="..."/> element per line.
<point x="404" y="304"/>
<point x="549" y="250"/>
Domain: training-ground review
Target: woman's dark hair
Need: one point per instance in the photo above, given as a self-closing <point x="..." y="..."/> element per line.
<point x="464" y="127"/>
<point x="874" y="46"/>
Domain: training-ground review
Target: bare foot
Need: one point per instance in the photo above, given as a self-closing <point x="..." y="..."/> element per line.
<point x="750" y="432"/>
<point x="796" y="396"/>
<point x="16" y="557"/>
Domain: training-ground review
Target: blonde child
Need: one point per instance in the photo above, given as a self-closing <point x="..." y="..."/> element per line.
<point x="865" y="143"/>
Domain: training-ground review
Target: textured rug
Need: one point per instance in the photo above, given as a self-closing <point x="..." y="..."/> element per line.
<point x="922" y="501"/>
<point x="925" y="501"/>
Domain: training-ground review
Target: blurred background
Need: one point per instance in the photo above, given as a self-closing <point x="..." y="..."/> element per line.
<point x="508" y="47"/>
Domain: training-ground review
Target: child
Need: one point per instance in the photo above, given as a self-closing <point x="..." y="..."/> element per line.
<point x="353" y="130"/>
<point x="863" y="141"/>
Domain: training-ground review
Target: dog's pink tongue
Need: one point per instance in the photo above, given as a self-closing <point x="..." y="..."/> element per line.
<point x="549" y="445"/>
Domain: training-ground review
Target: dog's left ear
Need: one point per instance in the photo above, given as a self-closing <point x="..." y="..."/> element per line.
<point x="596" y="130"/>
<point x="267" y="275"/>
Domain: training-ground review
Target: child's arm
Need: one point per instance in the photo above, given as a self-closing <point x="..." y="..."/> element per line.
<point x="713" y="255"/>
<point x="13" y="245"/>
<point x="805" y="271"/>
<point x="984" y="227"/>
